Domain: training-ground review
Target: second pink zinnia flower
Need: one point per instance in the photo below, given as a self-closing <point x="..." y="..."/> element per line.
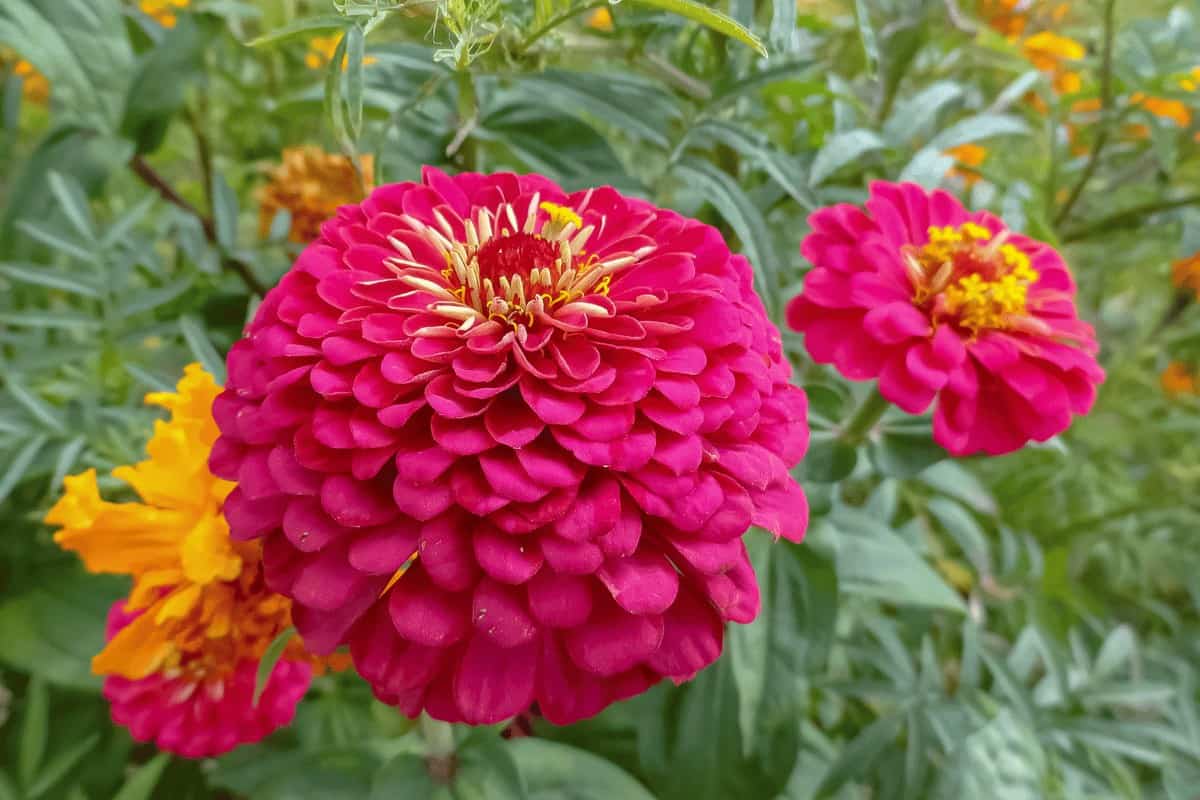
<point x="560" y="411"/>
<point x="940" y="303"/>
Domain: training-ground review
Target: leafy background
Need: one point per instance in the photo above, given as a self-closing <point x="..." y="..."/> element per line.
<point x="1020" y="627"/>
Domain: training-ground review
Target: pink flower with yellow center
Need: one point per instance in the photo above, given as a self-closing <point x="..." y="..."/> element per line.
<point x="505" y="441"/>
<point x="939" y="303"/>
<point x="182" y="652"/>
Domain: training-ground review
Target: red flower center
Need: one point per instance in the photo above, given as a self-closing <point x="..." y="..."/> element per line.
<point x="515" y="254"/>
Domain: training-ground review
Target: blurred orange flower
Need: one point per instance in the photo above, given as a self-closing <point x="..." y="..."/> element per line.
<point x="311" y="184"/>
<point x="1185" y="273"/>
<point x="321" y="50"/>
<point x="1049" y="52"/>
<point x="601" y="19"/>
<point x="1177" y="379"/>
<point x="1012" y="18"/>
<point x="1164" y="108"/>
<point x="968" y="156"/>
<point x="163" y="11"/>
<point x="34" y="86"/>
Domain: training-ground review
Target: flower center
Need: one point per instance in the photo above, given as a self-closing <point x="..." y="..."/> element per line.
<point x="509" y="270"/>
<point x="970" y="277"/>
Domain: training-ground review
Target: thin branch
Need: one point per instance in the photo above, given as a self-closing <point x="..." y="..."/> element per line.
<point x="1106" y="120"/>
<point x="555" y="21"/>
<point x="1129" y="217"/>
<point x="151" y="178"/>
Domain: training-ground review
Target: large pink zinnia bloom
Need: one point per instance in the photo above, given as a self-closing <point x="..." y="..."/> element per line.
<point x="198" y="715"/>
<point x="568" y="407"/>
<point x="938" y="302"/>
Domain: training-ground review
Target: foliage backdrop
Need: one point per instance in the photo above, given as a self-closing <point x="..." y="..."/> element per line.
<point x="1021" y="627"/>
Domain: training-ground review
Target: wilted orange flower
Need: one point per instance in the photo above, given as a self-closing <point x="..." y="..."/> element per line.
<point x="163" y="11"/>
<point x="321" y="50"/>
<point x="311" y="184"/>
<point x="601" y="19"/>
<point x="1177" y="379"/>
<point x="1185" y="273"/>
<point x="203" y="605"/>
<point x="34" y="86"/>
<point x="1049" y="52"/>
<point x="967" y="156"/>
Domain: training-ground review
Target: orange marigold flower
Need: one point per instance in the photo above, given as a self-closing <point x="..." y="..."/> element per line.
<point x="1164" y="108"/>
<point x="199" y="616"/>
<point x="1177" y="380"/>
<point x="321" y="50"/>
<point x="311" y="184"/>
<point x="968" y="156"/>
<point x="34" y="86"/>
<point x="1050" y="52"/>
<point x="601" y="19"/>
<point x="1185" y="273"/>
<point x="163" y="11"/>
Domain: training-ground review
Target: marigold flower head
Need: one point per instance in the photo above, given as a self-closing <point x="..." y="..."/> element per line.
<point x="1050" y="52"/>
<point x="939" y="303"/>
<point x="164" y="12"/>
<point x="1012" y="18"/>
<point x="968" y="156"/>
<point x="1185" y="273"/>
<point x="1163" y="108"/>
<point x="311" y="184"/>
<point x="561" y="411"/>
<point x="199" y="616"/>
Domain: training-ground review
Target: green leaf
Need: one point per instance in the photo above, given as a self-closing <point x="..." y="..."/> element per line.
<point x="782" y="34"/>
<point x="38" y="275"/>
<point x="746" y="220"/>
<point x="904" y="452"/>
<point x="270" y="658"/>
<point x="874" y="561"/>
<point x="404" y="776"/>
<point x="842" y="148"/>
<point x="829" y="459"/>
<point x="54" y="628"/>
<point x="791" y="637"/>
<point x="964" y="529"/>
<point x="20" y="463"/>
<point x="60" y="765"/>
<point x="553" y="771"/>
<point x="300" y="29"/>
<point x="927" y="168"/>
<point x="978" y="128"/>
<point x="65" y="320"/>
<point x="1000" y="761"/>
<point x="1118" y="650"/>
<point x="74" y="204"/>
<point x="915" y="116"/>
<point x="68" y="454"/>
<point x="225" y="212"/>
<point x="634" y="107"/>
<point x="56" y="240"/>
<point x="38" y="408"/>
<point x="866" y="31"/>
<point x="35" y="729"/>
<point x="197" y="340"/>
<point x="140" y="785"/>
<point x="709" y="18"/>
<point x="862" y="752"/>
<point x="159" y="88"/>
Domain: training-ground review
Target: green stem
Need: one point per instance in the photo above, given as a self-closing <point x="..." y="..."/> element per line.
<point x="1128" y="218"/>
<point x="555" y="21"/>
<point x="1106" y="116"/>
<point x="864" y="418"/>
<point x="440" y="758"/>
<point x="468" y="114"/>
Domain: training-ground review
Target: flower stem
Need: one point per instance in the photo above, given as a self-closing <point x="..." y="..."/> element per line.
<point x="864" y="418"/>
<point x="440" y="759"/>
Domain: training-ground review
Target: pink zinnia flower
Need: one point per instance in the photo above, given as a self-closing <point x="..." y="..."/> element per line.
<point x="564" y="409"/>
<point x="938" y="302"/>
<point x="197" y="715"/>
